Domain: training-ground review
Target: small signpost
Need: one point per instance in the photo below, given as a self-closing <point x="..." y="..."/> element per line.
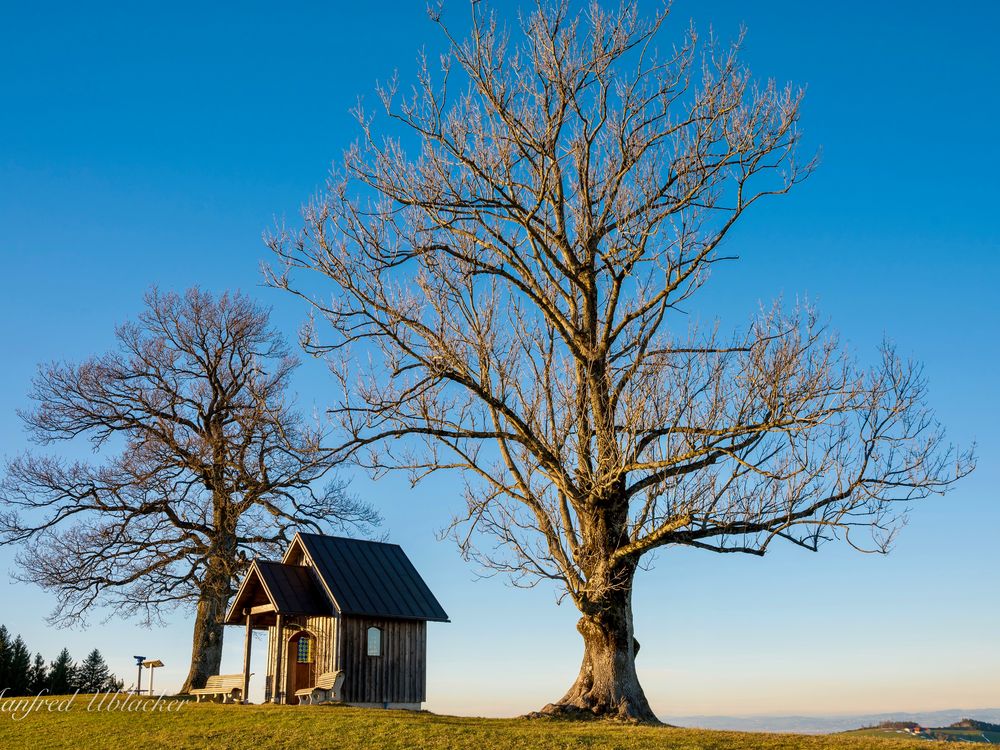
<point x="151" y="664"/>
<point x="138" y="662"/>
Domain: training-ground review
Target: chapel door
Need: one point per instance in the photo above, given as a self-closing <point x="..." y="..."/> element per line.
<point x="301" y="664"/>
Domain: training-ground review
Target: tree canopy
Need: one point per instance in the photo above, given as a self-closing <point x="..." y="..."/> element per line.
<point x="202" y="464"/>
<point x="512" y="243"/>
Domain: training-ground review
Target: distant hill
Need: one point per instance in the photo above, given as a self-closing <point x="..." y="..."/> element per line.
<point x="911" y="725"/>
<point x="820" y="724"/>
<point x="965" y="730"/>
<point x="982" y="726"/>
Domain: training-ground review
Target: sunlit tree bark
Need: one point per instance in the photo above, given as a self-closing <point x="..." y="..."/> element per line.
<point x="511" y="247"/>
<point x="207" y="465"/>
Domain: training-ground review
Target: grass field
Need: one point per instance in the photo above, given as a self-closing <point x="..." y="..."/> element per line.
<point x="315" y="727"/>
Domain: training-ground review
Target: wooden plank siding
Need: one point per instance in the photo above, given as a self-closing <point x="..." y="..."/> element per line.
<point x="399" y="675"/>
<point x="322" y="629"/>
<point x="335" y="589"/>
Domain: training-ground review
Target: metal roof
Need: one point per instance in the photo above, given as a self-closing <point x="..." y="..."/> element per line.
<point x="290" y="589"/>
<point x="293" y="589"/>
<point x="371" y="579"/>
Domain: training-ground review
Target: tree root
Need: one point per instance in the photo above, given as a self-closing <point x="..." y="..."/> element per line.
<point x="622" y="713"/>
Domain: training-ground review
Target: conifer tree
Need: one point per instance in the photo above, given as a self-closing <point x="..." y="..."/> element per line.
<point x="19" y="677"/>
<point x="62" y="674"/>
<point x="4" y="657"/>
<point x="93" y="676"/>
<point x="39" y="676"/>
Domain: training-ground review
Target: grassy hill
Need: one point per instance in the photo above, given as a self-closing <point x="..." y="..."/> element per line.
<point x="313" y="727"/>
<point x="954" y="733"/>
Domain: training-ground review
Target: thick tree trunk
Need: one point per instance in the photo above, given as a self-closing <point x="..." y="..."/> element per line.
<point x="217" y="585"/>
<point x="607" y="686"/>
<point x="206" y="645"/>
<point x="216" y="591"/>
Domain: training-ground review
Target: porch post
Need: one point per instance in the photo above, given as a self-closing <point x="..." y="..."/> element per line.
<point x="246" y="657"/>
<point x="279" y="625"/>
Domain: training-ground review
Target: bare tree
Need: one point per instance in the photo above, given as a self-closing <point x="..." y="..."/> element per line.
<point x="207" y="466"/>
<point x="517" y="283"/>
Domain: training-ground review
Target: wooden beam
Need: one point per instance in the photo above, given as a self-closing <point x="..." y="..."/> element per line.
<point x="259" y="609"/>
<point x="279" y="635"/>
<point x="247" y="644"/>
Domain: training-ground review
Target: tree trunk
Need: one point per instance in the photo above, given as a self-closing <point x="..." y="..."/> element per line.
<point x="217" y="585"/>
<point x="206" y="647"/>
<point x="608" y="686"/>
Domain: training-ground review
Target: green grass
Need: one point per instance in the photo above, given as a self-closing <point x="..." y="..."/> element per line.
<point x="338" y="727"/>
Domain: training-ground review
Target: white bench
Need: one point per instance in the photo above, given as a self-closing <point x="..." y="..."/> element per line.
<point x="227" y="686"/>
<point x="326" y="689"/>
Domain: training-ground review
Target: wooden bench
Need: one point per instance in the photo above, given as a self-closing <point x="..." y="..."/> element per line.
<point x="326" y="689"/>
<point x="227" y="686"/>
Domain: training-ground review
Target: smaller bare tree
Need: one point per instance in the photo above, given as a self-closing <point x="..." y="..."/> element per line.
<point x="208" y="465"/>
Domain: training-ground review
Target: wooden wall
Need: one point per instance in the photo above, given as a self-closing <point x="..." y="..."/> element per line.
<point x="323" y="629"/>
<point x="399" y="675"/>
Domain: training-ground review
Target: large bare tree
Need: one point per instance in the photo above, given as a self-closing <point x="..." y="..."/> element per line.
<point x="514" y="252"/>
<point x="207" y="465"/>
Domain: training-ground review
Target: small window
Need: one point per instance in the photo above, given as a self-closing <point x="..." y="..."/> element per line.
<point x="374" y="642"/>
<point x="305" y="651"/>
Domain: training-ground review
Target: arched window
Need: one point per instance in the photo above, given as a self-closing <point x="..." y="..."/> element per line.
<point x="374" y="642"/>
<point x="305" y="650"/>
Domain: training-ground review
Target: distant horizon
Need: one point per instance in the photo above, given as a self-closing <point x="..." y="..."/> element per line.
<point x="819" y="723"/>
<point x="835" y="714"/>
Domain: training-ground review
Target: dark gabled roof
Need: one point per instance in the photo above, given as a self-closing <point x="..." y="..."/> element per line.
<point x="371" y="578"/>
<point x="290" y="589"/>
<point x="294" y="589"/>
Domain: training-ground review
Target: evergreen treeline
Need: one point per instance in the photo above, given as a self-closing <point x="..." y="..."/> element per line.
<point x="982" y="726"/>
<point x="23" y="675"/>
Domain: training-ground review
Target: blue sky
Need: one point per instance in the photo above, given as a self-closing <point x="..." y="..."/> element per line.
<point x="155" y="146"/>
